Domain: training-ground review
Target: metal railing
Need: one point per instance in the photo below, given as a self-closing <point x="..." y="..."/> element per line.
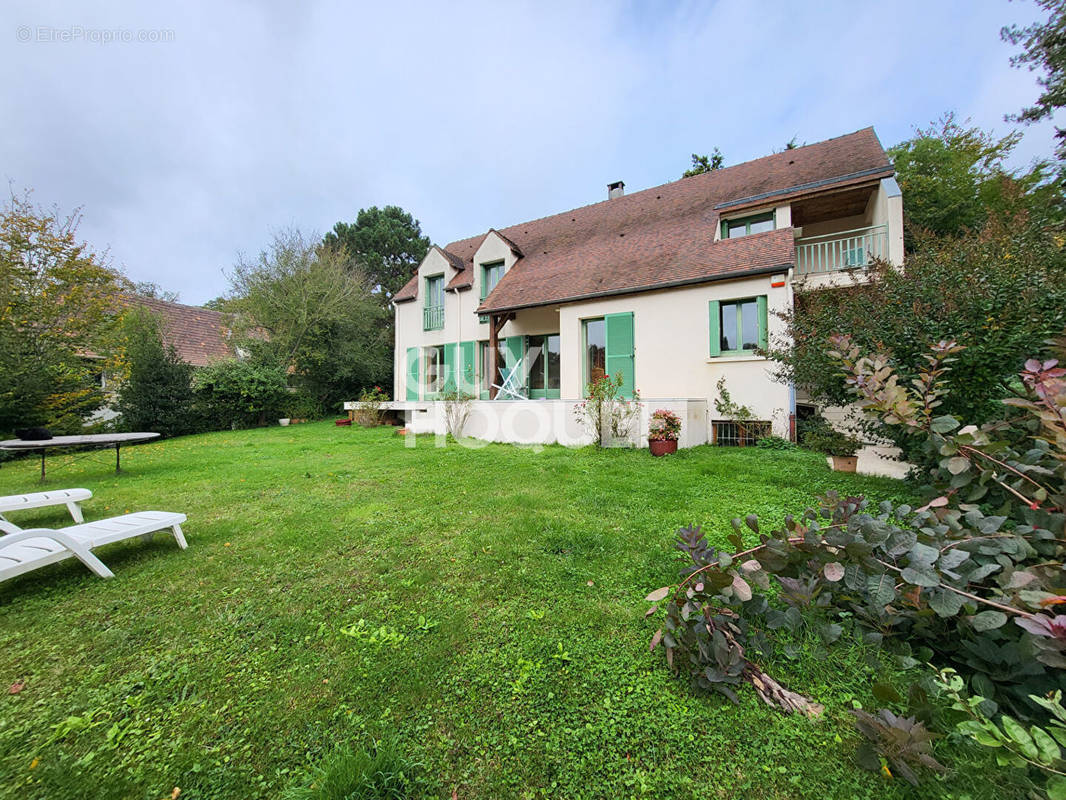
<point x="830" y="252"/>
<point x="433" y="318"/>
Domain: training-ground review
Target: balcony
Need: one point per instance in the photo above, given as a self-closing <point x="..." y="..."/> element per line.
<point x="833" y="252"/>
<point x="432" y="318"/>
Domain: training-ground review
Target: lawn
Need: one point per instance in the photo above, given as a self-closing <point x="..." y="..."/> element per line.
<point x="480" y="608"/>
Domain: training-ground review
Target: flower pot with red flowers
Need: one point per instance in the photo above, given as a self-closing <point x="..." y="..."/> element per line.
<point x="663" y="430"/>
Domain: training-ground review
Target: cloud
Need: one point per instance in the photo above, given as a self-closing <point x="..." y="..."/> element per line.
<point x="263" y="115"/>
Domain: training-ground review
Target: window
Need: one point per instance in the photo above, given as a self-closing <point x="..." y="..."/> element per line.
<point x="433" y="313"/>
<point x="487" y="378"/>
<point x="434" y="370"/>
<point x="734" y="228"/>
<point x="490" y="276"/>
<point x="595" y="349"/>
<point x="738" y="326"/>
<point x="728" y="433"/>
<point x="542" y="354"/>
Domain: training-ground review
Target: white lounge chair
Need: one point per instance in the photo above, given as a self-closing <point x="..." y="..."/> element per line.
<point x="25" y="550"/>
<point x="63" y="497"/>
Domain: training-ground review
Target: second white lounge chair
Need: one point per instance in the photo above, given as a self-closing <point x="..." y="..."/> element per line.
<point x="62" y="497"/>
<point x="25" y="550"/>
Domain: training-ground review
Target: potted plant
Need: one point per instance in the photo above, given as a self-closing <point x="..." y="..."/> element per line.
<point x="663" y="430"/>
<point x="838" y="446"/>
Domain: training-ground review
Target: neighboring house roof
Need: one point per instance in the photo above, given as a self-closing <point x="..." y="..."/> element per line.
<point x="199" y="336"/>
<point x="664" y="236"/>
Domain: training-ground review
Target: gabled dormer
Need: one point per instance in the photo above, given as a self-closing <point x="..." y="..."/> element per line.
<point x="493" y="258"/>
<point x="437" y="270"/>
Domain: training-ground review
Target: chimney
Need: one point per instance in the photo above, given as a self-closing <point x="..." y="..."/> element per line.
<point x="616" y="189"/>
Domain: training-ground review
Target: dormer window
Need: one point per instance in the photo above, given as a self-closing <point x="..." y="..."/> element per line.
<point x="433" y="312"/>
<point x="490" y="276"/>
<point x="757" y="223"/>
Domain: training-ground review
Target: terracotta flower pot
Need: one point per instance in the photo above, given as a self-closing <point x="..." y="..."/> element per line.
<point x="845" y="463"/>
<point x="662" y="447"/>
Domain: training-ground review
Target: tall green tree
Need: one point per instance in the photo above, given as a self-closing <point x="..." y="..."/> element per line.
<point x="702" y="164"/>
<point x="302" y="306"/>
<point x="156" y="390"/>
<point x="386" y="243"/>
<point x="955" y="177"/>
<point x="56" y="320"/>
<point x="1044" y="51"/>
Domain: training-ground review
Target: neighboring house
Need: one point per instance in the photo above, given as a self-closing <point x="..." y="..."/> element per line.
<point x="200" y="336"/>
<point x="672" y="287"/>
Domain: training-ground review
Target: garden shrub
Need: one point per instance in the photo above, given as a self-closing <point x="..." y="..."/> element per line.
<point x="368" y="413"/>
<point x="606" y="414"/>
<point x="775" y="443"/>
<point x="239" y="394"/>
<point x="969" y="580"/>
<point x="156" y="394"/>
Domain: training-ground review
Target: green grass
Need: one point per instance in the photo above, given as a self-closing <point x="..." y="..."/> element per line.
<point x="481" y="608"/>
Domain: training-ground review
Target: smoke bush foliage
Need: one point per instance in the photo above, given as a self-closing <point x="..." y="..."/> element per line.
<point x="971" y="579"/>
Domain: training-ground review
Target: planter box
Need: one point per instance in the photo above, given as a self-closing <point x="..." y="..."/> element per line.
<point x="662" y="447"/>
<point x="342" y="423"/>
<point x="845" y="463"/>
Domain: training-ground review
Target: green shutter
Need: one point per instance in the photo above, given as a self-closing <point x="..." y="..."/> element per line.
<point x="760" y="302"/>
<point x="412" y="373"/>
<point x="619" y="335"/>
<point x="467" y="368"/>
<point x="715" y="320"/>
<point x="451" y="369"/>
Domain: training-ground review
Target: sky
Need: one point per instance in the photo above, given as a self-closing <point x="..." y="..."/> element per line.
<point x="189" y="133"/>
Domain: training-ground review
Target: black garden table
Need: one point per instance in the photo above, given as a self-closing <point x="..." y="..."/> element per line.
<point x="89" y="440"/>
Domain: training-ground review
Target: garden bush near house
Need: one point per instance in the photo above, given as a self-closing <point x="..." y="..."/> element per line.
<point x="606" y="414"/>
<point x="949" y="582"/>
<point x="368" y="412"/>
<point x="775" y="443"/>
<point x="832" y="443"/>
<point x="240" y="394"/>
<point x="1000" y="292"/>
<point x="457" y="406"/>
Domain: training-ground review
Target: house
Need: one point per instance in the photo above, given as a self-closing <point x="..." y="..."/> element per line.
<point x="672" y="287"/>
<point x="199" y="336"/>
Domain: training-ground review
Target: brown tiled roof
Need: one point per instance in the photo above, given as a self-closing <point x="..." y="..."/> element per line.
<point x="664" y="236"/>
<point x="199" y="336"/>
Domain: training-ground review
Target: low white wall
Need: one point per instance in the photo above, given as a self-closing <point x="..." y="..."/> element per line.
<point x="531" y="422"/>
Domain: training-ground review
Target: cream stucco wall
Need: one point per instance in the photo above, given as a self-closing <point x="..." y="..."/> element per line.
<point x="671" y="337"/>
